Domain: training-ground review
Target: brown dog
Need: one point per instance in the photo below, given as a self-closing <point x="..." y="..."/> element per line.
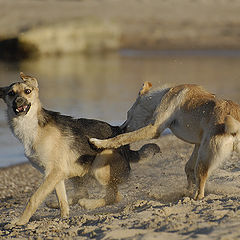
<point x="193" y="115"/>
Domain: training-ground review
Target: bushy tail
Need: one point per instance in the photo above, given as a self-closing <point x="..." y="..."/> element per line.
<point x="146" y="152"/>
<point x="232" y="126"/>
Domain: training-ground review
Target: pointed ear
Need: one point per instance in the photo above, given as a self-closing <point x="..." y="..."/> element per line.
<point x="145" y="88"/>
<point x="31" y="81"/>
<point x="2" y="92"/>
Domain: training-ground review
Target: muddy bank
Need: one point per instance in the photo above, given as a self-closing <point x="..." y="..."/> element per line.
<point x="56" y="27"/>
<point x="155" y="203"/>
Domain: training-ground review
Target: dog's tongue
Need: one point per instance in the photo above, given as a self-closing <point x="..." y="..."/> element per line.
<point x="20" y="109"/>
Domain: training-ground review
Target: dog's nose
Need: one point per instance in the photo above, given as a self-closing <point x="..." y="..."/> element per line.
<point x="19" y="101"/>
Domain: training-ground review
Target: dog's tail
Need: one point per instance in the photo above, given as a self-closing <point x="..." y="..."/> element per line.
<point x="232" y="126"/>
<point x="146" y="152"/>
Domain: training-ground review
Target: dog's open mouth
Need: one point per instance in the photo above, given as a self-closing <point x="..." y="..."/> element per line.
<point x="22" y="109"/>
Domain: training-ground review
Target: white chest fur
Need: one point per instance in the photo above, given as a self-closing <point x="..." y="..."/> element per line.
<point x="25" y="128"/>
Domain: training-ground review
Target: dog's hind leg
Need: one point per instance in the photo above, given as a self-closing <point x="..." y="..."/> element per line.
<point x="79" y="189"/>
<point x="110" y="169"/>
<point x="51" y="180"/>
<point x="189" y="168"/>
<point x="211" y="153"/>
<point x="112" y="196"/>
<point x="62" y="199"/>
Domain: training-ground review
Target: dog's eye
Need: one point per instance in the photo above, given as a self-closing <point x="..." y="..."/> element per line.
<point x="27" y="91"/>
<point x="11" y="93"/>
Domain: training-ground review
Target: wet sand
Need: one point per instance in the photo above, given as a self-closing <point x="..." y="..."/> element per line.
<point x="155" y="205"/>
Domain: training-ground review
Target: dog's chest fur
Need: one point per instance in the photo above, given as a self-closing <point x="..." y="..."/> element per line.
<point x="25" y="128"/>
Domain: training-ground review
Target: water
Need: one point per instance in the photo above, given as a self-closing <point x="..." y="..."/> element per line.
<point x="104" y="87"/>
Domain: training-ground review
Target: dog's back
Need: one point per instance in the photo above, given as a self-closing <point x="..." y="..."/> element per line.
<point x="80" y="130"/>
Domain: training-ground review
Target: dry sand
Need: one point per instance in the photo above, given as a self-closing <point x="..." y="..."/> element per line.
<point x="156" y="204"/>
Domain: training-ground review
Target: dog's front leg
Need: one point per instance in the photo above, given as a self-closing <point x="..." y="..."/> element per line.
<point x="148" y="132"/>
<point x="45" y="188"/>
<point x="62" y="199"/>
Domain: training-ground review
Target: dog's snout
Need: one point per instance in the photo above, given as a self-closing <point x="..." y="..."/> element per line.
<point x="21" y="105"/>
<point x="19" y="101"/>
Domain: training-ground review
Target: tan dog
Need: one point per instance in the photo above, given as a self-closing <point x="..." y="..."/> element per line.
<point x="58" y="146"/>
<point x="193" y="115"/>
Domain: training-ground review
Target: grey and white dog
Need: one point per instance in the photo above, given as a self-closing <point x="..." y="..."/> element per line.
<point x="58" y="146"/>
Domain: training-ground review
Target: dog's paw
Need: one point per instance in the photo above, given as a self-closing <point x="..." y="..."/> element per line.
<point x="9" y="226"/>
<point x="65" y="212"/>
<point x="86" y="203"/>
<point x="14" y="223"/>
<point x="21" y="222"/>
<point x="52" y="204"/>
<point x="97" y="142"/>
<point x="91" y="203"/>
<point x="198" y="196"/>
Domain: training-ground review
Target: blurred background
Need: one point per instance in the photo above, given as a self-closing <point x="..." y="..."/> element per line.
<point x="92" y="56"/>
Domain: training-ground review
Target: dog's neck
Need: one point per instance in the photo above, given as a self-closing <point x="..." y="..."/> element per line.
<point x="141" y="113"/>
<point x="26" y="127"/>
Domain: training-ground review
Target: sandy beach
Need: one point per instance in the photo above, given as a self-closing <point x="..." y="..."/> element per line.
<point x="155" y="205"/>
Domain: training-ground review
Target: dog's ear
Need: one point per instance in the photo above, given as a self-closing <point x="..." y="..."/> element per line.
<point x="29" y="80"/>
<point x="2" y="92"/>
<point x="145" y="88"/>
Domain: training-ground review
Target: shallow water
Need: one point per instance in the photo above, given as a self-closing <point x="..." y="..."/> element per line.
<point x="104" y="86"/>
